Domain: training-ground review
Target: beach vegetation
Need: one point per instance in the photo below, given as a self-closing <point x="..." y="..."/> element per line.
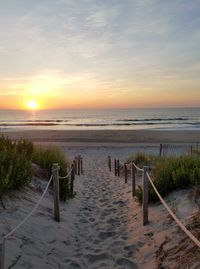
<point x="16" y="159"/>
<point x="141" y="159"/>
<point x="15" y="166"/>
<point x="45" y="157"/>
<point x="196" y="152"/>
<point x="170" y="173"/>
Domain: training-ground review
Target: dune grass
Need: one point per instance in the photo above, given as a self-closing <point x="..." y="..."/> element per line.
<point x="169" y="173"/>
<point x="16" y="159"/>
<point x="15" y="165"/>
<point x="141" y="159"/>
<point x="45" y="157"/>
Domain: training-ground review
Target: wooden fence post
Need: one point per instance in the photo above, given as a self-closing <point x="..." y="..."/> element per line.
<point x="74" y="163"/>
<point x="72" y="179"/>
<point x="115" y="167"/>
<point x="133" y="178"/>
<point x="161" y="149"/>
<point x="145" y="195"/>
<point x="81" y="166"/>
<point x="191" y="150"/>
<point x="109" y="163"/>
<point x="125" y="172"/>
<point x="56" y="193"/>
<point x="2" y="254"/>
<point x="118" y="168"/>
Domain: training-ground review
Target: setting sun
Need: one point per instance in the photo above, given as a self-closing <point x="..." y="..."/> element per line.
<point x="32" y="105"/>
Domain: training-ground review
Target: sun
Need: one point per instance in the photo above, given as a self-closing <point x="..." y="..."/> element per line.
<point x="33" y="105"/>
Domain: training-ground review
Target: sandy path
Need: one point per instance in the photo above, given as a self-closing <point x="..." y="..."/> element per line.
<point x="100" y="225"/>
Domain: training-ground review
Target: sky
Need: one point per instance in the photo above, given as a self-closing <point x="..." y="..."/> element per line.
<point x="99" y="53"/>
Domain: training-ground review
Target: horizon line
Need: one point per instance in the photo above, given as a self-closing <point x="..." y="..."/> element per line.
<point x="103" y="108"/>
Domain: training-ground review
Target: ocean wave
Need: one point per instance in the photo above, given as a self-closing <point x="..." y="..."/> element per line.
<point x="118" y="124"/>
<point x="154" y="119"/>
<point x="27" y="124"/>
<point x="55" y="123"/>
<point x="33" y="121"/>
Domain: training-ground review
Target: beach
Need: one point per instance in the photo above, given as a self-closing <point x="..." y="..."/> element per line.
<point x="107" y="136"/>
<point x="102" y="226"/>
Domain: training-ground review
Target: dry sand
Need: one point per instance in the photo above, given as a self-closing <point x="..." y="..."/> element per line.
<point x="101" y="227"/>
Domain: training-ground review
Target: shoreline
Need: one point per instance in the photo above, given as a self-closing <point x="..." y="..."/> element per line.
<point x="104" y="137"/>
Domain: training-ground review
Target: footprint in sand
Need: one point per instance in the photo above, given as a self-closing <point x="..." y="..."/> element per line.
<point x="92" y="219"/>
<point x="96" y="258"/>
<point x="113" y="222"/>
<point x="119" y="202"/>
<point x="71" y="265"/>
<point x="106" y="235"/>
<point x="126" y="263"/>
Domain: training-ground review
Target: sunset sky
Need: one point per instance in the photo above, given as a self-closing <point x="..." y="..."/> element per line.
<point x="99" y="53"/>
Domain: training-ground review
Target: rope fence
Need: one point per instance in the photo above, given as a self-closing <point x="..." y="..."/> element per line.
<point x="184" y="229"/>
<point x="76" y="168"/>
<point x="146" y="179"/>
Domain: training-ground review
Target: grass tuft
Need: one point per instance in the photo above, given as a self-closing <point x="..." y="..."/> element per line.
<point x="169" y="173"/>
<point x="15" y="166"/>
<point x="16" y="159"/>
<point x="45" y="157"/>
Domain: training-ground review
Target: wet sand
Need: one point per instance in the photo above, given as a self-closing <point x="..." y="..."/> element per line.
<point x="109" y="136"/>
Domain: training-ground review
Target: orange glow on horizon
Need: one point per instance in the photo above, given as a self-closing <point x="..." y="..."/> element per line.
<point x="54" y="89"/>
<point x="69" y="102"/>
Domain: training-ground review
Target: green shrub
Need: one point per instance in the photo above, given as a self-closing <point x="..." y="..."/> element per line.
<point x="15" y="167"/>
<point x="170" y="173"/>
<point x="45" y="157"/>
<point x="16" y="164"/>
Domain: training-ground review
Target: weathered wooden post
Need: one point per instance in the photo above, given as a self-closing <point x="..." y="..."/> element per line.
<point x="125" y="172"/>
<point x="72" y="179"/>
<point x="145" y="195"/>
<point x="161" y="149"/>
<point x="2" y="254"/>
<point x="191" y="150"/>
<point x="81" y="166"/>
<point x="133" y="178"/>
<point x="74" y="163"/>
<point x="115" y="167"/>
<point x="118" y="168"/>
<point x="56" y="192"/>
<point x="109" y="163"/>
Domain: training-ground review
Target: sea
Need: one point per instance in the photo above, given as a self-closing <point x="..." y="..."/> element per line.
<point x="112" y="119"/>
